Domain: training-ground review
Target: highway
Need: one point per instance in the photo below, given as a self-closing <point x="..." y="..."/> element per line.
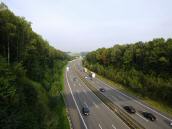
<point x="78" y="94"/>
<point x="101" y="116"/>
<point x="122" y="99"/>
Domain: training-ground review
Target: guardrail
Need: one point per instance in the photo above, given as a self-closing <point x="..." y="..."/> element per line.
<point x="133" y="124"/>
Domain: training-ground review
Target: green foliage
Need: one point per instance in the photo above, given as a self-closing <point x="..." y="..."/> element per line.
<point x="146" y="68"/>
<point x="7" y="81"/>
<point x="30" y="78"/>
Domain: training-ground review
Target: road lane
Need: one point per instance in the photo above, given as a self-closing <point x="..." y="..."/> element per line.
<point x="103" y="108"/>
<point x="73" y="113"/>
<point x="121" y="99"/>
<point x="158" y="124"/>
<point x="97" y="115"/>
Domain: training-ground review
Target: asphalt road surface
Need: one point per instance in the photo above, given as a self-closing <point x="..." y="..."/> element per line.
<point x="77" y="94"/>
<point x="121" y="99"/>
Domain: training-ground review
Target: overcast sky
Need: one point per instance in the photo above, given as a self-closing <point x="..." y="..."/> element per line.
<point x="84" y="25"/>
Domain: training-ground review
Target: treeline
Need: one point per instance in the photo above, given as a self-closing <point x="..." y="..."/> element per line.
<point x="144" y="67"/>
<point x="31" y="77"/>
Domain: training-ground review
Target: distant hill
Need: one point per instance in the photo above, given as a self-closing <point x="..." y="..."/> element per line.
<point x="83" y="53"/>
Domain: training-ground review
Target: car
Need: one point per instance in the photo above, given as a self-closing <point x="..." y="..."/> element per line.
<point x="149" y="116"/>
<point x="129" y="109"/>
<point x="85" y="110"/>
<point x="102" y="89"/>
<point x="171" y="124"/>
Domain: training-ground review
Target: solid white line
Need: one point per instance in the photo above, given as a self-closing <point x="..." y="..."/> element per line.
<point x="142" y="117"/>
<point x="95" y="104"/>
<point x="135" y="101"/>
<point x="100" y="126"/>
<point x="76" y="103"/>
<point x="113" y="126"/>
<point x="114" y="98"/>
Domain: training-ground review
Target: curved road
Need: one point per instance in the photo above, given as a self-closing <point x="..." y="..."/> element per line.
<point x="122" y="99"/>
<point x="77" y="94"/>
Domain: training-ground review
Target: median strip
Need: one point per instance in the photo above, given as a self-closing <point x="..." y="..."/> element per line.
<point x="133" y="124"/>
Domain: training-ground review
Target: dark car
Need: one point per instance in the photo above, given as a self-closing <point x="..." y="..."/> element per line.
<point x="102" y="89"/>
<point x="130" y="109"/>
<point x="85" y="110"/>
<point x="171" y="124"/>
<point x="149" y="116"/>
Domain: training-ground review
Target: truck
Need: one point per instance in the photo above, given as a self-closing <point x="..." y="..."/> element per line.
<point x="67" y="68"/>
<point x="92" y="75"/>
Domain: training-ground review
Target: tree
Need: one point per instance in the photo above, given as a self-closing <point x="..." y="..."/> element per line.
<point x="145" y="67"/>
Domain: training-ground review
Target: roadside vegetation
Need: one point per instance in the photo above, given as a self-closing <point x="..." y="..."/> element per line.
<point x="153" y="103"/>
<point x="31" y="77"/>
<point x="144" y="68"/>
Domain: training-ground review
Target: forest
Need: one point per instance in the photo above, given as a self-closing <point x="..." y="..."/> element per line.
<point x="31" y="77"/>
<point x="143" y="67"/>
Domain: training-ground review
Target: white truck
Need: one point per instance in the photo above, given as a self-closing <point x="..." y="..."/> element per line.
<point x="67" y="68"/>
<point x="92" y="75"/>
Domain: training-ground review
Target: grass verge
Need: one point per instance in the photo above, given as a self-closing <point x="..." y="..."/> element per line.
<point x="57" y="103"/>
<point x="62" y="107"/>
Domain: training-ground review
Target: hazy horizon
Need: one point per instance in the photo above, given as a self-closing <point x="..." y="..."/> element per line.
<point x="75" y="25"/>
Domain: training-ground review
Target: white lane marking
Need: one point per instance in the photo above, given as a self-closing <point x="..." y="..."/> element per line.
<point x="142" y="117"/>
<point x="136" y="101"/>
<point x="100" y="126"/>
<point x="76" y="103"/>
<point x="86" y="104"/>
<point x="113" y="126"/>
<point x="95" y="105"/>
<point x="104" y="104"/>
<point x="114" y="98"/>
